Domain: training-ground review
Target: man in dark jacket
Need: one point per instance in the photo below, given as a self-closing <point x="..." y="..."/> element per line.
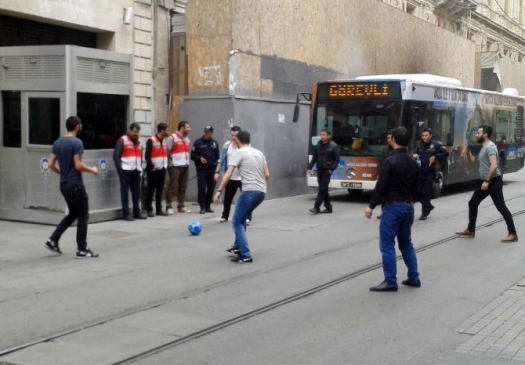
<point x="385" y="152"/>
<point x="397" y="190"/>
<point x="429" y="152"/>
<point x="326" y="155"/>
<point x="205" y="152"/>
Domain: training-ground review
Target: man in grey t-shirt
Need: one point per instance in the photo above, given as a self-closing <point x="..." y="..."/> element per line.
<point x="491" y="184"/>
<point x="254" y="172"/>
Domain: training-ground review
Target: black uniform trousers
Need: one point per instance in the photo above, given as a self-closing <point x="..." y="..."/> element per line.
<point x="323" y="180"/>
<point x="206" y="184"/>
<point x="155" y="186"/>
<point x="426" y="183"/>
<point x="130" y="180"/>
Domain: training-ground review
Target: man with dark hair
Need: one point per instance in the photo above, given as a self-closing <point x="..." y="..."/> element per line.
<point x="491" y="183"/>
<point x="254" y="176"/>
<point x="397" y="190"/>
<point x="128" y="162"/>
<point x="68" y="150"/>
<point x="429" y="152"/>
<point x="156" y="165"/>
<point x="178" y="145"/>
<point x="235" y="183"/>
<point x="205" y="154"/>
<point x="326" y="156"/>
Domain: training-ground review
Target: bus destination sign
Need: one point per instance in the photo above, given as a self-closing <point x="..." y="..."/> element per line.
<point x="359" y="90"/>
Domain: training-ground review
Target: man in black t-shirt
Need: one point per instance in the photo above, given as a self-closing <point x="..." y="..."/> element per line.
<point x="68" y="150"/>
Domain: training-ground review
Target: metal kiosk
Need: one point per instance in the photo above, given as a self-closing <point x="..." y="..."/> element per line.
<point x="40" y="87"/>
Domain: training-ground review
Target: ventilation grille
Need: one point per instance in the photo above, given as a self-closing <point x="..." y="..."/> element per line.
<point x="32" y="68"/>
<point x="103" y="72"/>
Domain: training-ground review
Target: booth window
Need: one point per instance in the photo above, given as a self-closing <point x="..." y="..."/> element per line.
<point x="44" y="120"/>
<point x="12" y="118"/>
<point x="104" y="119"/>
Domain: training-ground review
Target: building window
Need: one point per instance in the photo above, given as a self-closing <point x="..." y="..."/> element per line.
<point x="104" y="119"/>
<point x="44" y="120"/>
<point x="12" y="118"/>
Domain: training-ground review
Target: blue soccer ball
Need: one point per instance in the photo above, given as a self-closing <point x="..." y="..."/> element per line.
<point x="195" y="228"/>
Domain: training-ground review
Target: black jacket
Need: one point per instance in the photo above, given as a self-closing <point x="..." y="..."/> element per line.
<point x="425" y="151"/>
<point x="326" y="155"/>
<point x="207" y="149"/>
<point x="398" y="179"/>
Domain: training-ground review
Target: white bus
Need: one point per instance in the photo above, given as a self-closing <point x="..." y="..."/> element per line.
<point x="359" y="113"/>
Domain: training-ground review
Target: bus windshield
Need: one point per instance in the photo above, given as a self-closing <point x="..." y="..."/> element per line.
<point x="359" y="127"/>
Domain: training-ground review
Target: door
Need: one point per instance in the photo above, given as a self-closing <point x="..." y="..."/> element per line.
<point x="32" y="121"/>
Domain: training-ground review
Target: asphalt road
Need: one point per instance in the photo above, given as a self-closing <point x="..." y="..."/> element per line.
<point x="304" y="300"/>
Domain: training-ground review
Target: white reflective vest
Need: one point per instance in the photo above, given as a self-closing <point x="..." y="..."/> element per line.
<point x="131" y="158"/>
<point x="159" y="153"/>
<point x="180" y="152"/>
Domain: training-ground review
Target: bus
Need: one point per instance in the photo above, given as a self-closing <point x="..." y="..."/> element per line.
<point x="360" y="112"/>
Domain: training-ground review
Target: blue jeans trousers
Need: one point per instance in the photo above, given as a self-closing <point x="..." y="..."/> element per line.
<point x="397" y="221"/>
<point x="246" y="204"/>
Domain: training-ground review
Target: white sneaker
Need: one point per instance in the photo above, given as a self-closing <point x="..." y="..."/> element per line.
<point x="184" y="210"/>
<point x="248" y="222"/>
<point x="169" y="211"/>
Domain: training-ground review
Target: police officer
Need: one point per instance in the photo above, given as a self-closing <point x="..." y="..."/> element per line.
<point x="429" y="153"/>
<point x="205" y="153"/>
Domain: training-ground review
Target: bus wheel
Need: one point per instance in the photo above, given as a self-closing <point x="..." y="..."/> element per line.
<point x="355" y="193"/>
<point x="438" y="185"/>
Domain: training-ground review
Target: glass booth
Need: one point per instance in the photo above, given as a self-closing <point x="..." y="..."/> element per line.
<point x="40" y="87"/>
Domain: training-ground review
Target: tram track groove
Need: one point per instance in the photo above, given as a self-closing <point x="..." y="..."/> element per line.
<point x="245" y="316"/>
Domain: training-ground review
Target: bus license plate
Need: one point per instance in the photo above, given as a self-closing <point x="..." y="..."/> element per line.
<point x="352" y="185"/>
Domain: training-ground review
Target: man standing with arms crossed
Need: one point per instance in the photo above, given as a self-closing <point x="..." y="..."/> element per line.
<point x="68" y="150"/>
<point x="178" y="145"/>
<point x="397" y="189"/>
<point x="127" y="157"/>
<point x="156" y="165"/>
<point x="491" y="184"/>
<point x="254" y="176"/>
<point x="326" y="155"/>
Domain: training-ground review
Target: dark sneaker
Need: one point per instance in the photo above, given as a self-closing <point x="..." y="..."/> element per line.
<point x="241" y="259"/>
<point x="379" y="216"/>
<point x="233" y="251"/>
<point x="202" y="211"/>
<point x="314" y="211"/>
<point x="326" y="211"/>
<point x="411" y="282"/>
<point x="53" y="246"/>
<point x="86" y="253"/>
<point x="466" y="234"/>
<point x="151" y="214"/>
<point x="209" y="210"/>
<point x="423" y="217"/>
<point x="140" y="216"/>
<point x="161" y="213"/>
<point x="128" y="218"/>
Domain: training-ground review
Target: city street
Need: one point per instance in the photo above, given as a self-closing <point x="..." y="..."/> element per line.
<point x="157" y="295"/>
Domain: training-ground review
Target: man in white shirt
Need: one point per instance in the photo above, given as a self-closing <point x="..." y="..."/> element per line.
<point x="254" y="173"/>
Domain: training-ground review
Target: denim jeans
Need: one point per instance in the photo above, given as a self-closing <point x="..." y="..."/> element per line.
<point x="495" y="191"/>
<point x="246" y="204"/>
<point x="397" y="221"/>
<point x="77" y="204"/>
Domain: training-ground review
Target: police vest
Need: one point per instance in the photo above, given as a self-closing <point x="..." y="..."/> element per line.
<point x="180" y="153"/>
<point x="131" y="158"/>
<point x="159" y="153"/>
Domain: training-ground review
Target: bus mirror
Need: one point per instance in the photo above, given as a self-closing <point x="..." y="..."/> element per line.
<point x="296" y="113"/>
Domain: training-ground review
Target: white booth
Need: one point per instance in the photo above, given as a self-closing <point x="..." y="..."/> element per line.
<point x="40" y="87"/>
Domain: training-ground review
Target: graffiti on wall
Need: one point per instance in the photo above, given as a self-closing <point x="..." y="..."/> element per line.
<point x="208" y="76"/>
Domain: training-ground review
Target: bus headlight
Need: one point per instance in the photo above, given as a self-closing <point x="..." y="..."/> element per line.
<point x="350" y="173"/>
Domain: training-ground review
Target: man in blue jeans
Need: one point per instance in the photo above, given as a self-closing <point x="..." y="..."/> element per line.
<point x="68" y="150"/>
<point x="397" y="188"/>
<point x="254" y="172"/>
